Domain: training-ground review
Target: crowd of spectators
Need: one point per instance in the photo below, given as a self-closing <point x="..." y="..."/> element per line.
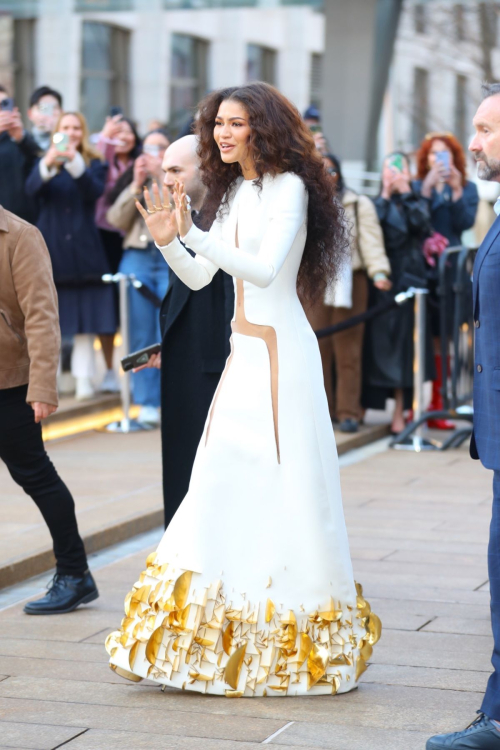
<point x="80" y="190"/>
<point x="424" y="204"/>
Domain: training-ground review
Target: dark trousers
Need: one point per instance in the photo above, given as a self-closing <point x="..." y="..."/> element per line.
<point x="22" y="450"/>
<point x="491" y="701"/>
<point x="345" y="349"/>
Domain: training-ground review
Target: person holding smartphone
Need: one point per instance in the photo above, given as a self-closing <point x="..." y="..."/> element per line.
<point x="141" y="258"/>
<point x="18" y="153"/>
<point x="45" y="108"/>
<point x="66" y="183"/>
<point x="388" y="353"/>
<point x="453" y="201"/>
<point x="119" y="144"/>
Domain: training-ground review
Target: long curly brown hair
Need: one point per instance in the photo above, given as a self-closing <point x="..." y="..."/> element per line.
<point x="279" y="142"/>
<point x="454" y="146"/>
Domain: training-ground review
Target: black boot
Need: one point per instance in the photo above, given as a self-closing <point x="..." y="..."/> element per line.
<point x="65" y="593"/>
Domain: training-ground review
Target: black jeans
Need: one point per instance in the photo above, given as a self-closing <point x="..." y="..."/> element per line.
<point x="22" y="449"/>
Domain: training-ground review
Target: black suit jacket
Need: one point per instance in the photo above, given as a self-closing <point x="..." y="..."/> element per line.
<point x="196" y="327"/>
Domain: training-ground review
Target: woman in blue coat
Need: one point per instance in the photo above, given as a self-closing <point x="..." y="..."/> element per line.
<point x="67" y="184"/>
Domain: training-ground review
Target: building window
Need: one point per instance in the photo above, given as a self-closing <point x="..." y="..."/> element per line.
<point x="316" y="82"/>
<point x="459" y="22"/>
<point x="461" y="109"/>
<point x="83" y="6"/>
<point x="189" y="78"/>
<point x="420" y="18"/>
<point x="488" y="21"/>
<point x="261" y="64"/>
<point x="104" y="76"/>
<point x="420" y="105"/>
<point x="24" y="62"/>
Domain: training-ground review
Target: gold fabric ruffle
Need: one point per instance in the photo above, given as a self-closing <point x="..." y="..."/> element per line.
<point x="198" y="640"/>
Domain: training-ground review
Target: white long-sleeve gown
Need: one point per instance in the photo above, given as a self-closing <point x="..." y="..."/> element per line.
<point x="251" y="589"/>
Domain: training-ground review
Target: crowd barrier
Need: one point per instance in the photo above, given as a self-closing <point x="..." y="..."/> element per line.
<point x="124" y="281"/>
<point x="454" y="291"/>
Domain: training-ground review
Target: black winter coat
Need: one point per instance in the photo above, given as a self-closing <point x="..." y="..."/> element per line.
<point x="388" y="355"/>
<point x="195" y="329"/>
<point x="16" y="162"/>
<point x="66" y="220"/>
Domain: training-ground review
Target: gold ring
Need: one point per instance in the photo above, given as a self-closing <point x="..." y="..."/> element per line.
<point x="150" y="212"/>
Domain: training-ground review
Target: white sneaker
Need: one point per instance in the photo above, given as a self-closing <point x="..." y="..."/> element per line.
<point x="110" y="383"/>
<point x="149" y="415"/>
<point x="84" y="389"/>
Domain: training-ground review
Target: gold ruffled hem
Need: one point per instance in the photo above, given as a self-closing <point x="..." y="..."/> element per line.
<point x="198" y="640"/>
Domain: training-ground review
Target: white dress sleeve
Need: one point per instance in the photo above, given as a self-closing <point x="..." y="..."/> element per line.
<point x="288" y="216"/>
<point x="195" y="272"/>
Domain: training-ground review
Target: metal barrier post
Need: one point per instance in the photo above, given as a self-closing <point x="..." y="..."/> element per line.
<point x="417" y="442"/>
<point x="126" y="424"/>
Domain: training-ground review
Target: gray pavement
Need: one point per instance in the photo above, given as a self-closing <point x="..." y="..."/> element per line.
<point x="418" y="527"/>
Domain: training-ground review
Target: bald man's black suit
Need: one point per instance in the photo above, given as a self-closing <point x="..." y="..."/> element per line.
<point x="196" y="327"/>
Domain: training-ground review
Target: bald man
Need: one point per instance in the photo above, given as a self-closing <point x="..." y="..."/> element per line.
<point x="195" y="326"/>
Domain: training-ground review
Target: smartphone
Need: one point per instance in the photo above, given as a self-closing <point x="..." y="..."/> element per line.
<point x="115" y="111"/>
<point x="396" y="162"/>
<point x="140" y="357"/>
<point x="153" y="149"/>
<point x="61" y="142"/>
<point x="7" y="104"/>
<point x="316" y="128"/>
<point x="443" y="157"/>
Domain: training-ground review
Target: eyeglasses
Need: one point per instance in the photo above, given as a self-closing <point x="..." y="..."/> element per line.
<point x="435" y="134"/>
<point x="331" y="170"/>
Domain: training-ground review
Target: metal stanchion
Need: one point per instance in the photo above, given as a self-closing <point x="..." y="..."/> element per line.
<point x="126" y="424"/>
<point x="417" y="442"/>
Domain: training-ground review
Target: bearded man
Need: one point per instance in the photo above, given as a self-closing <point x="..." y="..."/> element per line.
<point x="484" y="732"/>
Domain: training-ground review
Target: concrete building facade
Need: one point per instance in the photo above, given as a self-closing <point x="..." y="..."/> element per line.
<point x="155" y="58"/>
<point x="443" y="52"/>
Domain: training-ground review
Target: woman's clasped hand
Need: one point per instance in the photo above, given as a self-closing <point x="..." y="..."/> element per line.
<point x="163" y="222"/>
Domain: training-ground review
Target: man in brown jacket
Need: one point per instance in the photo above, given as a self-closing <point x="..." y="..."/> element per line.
<point x="29" y="346"/>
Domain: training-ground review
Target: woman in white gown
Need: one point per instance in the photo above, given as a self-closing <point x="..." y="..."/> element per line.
<point x="251" y="590"/>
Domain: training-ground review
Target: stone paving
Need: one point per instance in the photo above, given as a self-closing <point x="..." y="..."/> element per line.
<point x="418" y="528"/>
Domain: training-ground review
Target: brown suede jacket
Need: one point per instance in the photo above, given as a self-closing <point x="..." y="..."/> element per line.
<point x="30" y="336"/>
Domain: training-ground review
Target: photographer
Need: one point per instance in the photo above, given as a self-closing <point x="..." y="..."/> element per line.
<point x="141" y="258"/>
<point x="67" y="183"/>
<point x="119" y="144"/>
<point x="453" y="201"/>
<point x="18" y="153"/>
<point x="44" y="112"/>
<point x="29" y="342"/>
<point x="388" y="362"/>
